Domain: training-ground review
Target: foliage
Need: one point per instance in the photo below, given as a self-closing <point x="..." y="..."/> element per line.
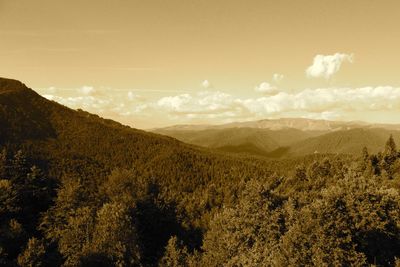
<point x="78" y="190"/>
<point x="33" y="255"/>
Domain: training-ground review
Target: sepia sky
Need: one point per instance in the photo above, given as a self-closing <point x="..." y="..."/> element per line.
<point x="155" y="63"/>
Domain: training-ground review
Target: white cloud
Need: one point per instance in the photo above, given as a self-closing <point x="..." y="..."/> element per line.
<point x="328" y="99"/>
<point x="277" y="77"/>
<point x="87" y="90"/>
<point x="325" y="115"/>
<point x="200" y="103"/>
<point x="266" y="88"/>
<point x="218" y="107"/>
<point x="52" y="90"/>
<point x="174" y="103"/>
<point x="206" y="84"/>
<point x="325" y="103"/>
<point x="327" y="65"/>
<point x="134" y="97"/>
<point x="103" y="101"/>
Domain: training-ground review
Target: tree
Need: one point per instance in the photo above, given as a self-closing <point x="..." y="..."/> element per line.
<point x="12" y="237"/>
<point x="3" y="163"/>
<point x="33" y="255"/>
<point x="355" y="222"/>
<point x="246" y="234"/>
<point x="19" y="168"/>
<point x="365" y="160"/>
<point x="300" y="173"/>
<point x="8" y="197"/>
<point x="74" y="240"/>
<point x="71" y="196"/>
<point x="365" y="154"/>
<point x="390" y="147"/>
<point x="115" y="235"/>
<point x="318" y="237"/>
<point x="176" y="254"/>
<point x="389" y="157"/>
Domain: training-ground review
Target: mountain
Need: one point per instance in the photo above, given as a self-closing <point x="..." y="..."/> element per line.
<point x="344" y="142"/>
<point x="307" y="124"/>
<point x="286" y="137"/>
<point x="55" y="136"/>
<point x="74" y="147"/>
<point x="79" y="190"/>
<point x="69" y="143"/>
<point x="256" y="141"/>
<point x="186" y="184"/>
<point x="285" y="123"/>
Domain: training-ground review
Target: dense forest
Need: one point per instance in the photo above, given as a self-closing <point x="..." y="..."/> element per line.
<point x="286" y="141"/>
<point x="79" y="190"/>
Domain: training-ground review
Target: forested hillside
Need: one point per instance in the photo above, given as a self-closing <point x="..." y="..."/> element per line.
<point x="288" y="142"/>
<point x="79" y="190"/>
<point x="253" y="141"/>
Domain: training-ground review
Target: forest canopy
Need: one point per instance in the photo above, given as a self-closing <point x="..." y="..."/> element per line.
<point x="325" y="213"/>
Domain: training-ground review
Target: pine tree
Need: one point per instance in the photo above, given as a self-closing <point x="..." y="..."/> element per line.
<point x="389" y="157"/>
<point x="3" y="164"/>
<point x="176" y="254"/>
<point x="390" y="147"/>
<point x="365" y="154"/>
<point x="33" y="255"/>
<point x="18" y="170"/>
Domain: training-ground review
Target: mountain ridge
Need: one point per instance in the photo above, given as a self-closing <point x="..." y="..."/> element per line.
<point x="287" y="137"/>
<point x="284" y="123"/>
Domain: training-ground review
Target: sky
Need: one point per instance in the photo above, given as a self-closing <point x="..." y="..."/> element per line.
<point x="154" y="63"/>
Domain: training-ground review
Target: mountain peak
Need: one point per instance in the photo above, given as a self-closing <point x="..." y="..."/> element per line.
<point x="11" y="85"/>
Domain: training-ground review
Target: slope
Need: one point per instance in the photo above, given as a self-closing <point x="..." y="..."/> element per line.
<point x="240" y="140"/>
<point x="345" y="142"/>
<point x="181" y="186"/>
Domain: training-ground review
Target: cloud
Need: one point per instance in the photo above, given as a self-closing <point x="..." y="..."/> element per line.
<point x="327" y="65"/>
<point x="266" y="88"/>
<point x="87" y="90"/>
<point x="206" y="84"/>
<point x="328" y="99"/>
<point x="134" y="97"/>
<point x="277" y="77"/>
<point x="213" y="106"/>
<point x="204" y="107"/>
<point x="323" y="103"/>
<point x="200" y="103"/>
<point x="103" y="101"/>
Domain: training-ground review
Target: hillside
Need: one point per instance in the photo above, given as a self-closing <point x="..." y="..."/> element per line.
<point x="79" y="190"/>
<point x="302" y="124"/>
<point x="239" y="140"/>
<point x="61" y="140"/>
<point x="57" y="138"/>
<point x="275" y="138"/>
<point x="344" y="142"/>
<point x="76" y="146"/>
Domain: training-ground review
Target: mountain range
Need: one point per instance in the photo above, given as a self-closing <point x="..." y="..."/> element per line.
<point x="286" y="137"/>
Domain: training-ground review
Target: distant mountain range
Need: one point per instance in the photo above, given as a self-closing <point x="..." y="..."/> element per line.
<point x="286" y="137"/>
<point x="286" y="123"/>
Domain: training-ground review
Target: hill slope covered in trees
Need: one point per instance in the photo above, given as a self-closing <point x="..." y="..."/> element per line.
<point x="287" y="142"/>
<point x="79" y="190"/>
